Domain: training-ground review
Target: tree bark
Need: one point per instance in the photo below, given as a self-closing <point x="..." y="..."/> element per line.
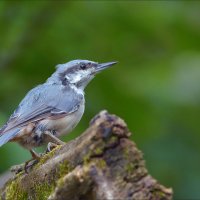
<point x="102" y="163"/>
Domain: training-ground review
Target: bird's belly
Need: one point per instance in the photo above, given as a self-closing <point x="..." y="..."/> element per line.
<point x="66" y="124"/>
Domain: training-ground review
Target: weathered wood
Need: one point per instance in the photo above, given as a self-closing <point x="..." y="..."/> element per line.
<point x="102" y="163"/>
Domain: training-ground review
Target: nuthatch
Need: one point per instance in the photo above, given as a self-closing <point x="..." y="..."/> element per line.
<point x="51" y="109"/>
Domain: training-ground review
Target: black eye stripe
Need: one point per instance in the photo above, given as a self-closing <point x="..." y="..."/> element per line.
<point x="83" y="66"/>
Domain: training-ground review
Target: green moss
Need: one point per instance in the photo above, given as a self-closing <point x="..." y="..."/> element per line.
<point x="113" y="139"/>
<point x="64" y="168"/>
<point x="126" y="153"/>
<point x="101" y="163"/>
<point x="43" y="191"/>
<point x="158" y="194"/>
<point x="86" y="158"/>
<point x="48" y="155"/>
<point x="98" y="151"/>
<point x="60" y="182"/>
<point x="130" y="167"/>
<point x="15" y="192"/>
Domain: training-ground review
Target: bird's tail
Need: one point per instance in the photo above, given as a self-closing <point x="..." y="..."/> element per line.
<point x="8" y="135"/>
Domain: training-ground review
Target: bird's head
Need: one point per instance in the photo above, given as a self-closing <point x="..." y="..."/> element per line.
<point x="79" y="72"/>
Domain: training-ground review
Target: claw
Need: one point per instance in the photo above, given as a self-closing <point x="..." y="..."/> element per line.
<point x="50" y="147"/>
<point x="29" y="163"/>
<point x="25" y="166"/>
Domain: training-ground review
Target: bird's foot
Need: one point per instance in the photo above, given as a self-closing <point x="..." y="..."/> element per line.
<point x="50" y="147"/>
<point x="28" y="164"/>
<point x="34" y="160"/>
<point x="24" y="166"/>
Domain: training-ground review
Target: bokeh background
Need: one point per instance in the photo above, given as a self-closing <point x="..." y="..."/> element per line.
<point x="155" y="87"/>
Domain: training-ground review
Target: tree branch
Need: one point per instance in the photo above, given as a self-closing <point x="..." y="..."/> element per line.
<point x="102" y="163"/>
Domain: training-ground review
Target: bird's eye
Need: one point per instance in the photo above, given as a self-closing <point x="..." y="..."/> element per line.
<point x="83" y="66"/>
<point x="64" y="81"/>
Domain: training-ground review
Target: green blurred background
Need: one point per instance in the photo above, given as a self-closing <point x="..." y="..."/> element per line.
<point x="155" y="87"/>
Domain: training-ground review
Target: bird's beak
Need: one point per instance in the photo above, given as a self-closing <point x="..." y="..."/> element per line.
<point x="103" y="66"/>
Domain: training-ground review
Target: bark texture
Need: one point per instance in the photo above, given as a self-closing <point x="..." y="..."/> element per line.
<point x="100" y="164"/>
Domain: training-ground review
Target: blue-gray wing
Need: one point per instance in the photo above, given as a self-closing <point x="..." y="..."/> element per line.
<point x="42" y="102"/>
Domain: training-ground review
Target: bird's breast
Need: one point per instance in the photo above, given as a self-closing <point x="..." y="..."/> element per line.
<point x="66" y="124"/>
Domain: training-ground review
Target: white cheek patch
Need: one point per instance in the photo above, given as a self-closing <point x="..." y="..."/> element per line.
<point x="76" y="77"/>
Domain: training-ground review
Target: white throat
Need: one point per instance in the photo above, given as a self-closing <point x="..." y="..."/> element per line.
<point x="78" y="90"/>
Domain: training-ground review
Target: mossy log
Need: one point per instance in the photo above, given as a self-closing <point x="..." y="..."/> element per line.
<point x="102" y="163"/>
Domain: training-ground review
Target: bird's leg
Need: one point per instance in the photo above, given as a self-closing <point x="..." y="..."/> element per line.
<point x="18" y="168"/>
<point x="50" y="137"/>
<point x="35" y="158"/>
<point x="35" y="155"/>
<point x="53" y="141"/>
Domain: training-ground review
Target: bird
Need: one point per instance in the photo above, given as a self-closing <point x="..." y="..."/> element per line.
<point x="52" y="109"/>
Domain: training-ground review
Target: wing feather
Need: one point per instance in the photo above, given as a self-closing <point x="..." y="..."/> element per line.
<point x="42" y="102"/>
